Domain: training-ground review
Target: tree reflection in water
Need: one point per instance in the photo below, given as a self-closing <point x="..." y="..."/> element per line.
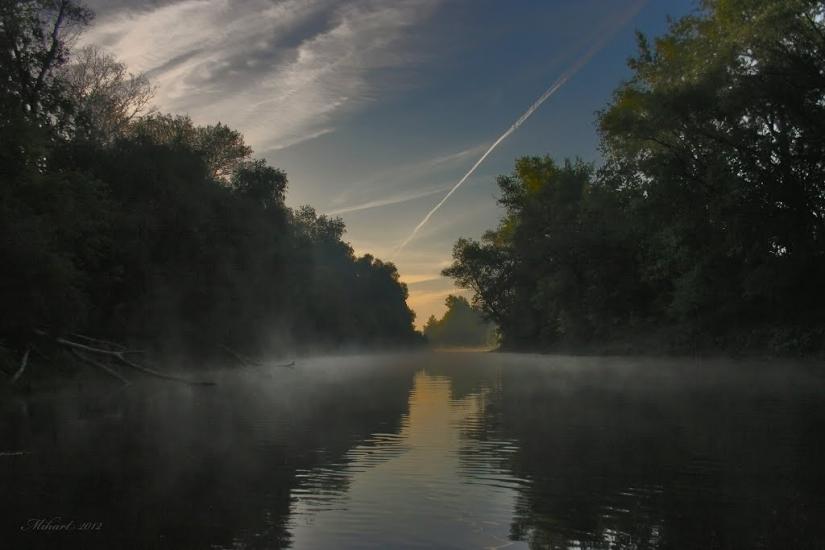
<point x="655" y="453"/>
<point x="168" y="466"/>
<point x="446" y="450"/>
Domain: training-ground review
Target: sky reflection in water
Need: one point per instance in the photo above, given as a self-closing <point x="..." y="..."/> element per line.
<point x="456" y="450"/>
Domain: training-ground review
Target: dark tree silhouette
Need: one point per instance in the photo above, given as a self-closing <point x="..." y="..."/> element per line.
<point x="152" y="230"/>
<point x="462" y="325"/>
<point x="706" y="225"/>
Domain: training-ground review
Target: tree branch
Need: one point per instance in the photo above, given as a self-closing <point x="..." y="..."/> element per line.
<point x="47" y="62"/>
<point x="245" y="361"/>
<point x="119" y="355"/>
<point x="23" y="363"/>
<point x="100" y="366"/>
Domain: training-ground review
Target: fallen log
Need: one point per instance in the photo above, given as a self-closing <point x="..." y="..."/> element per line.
<point x="114" y="345"/>
<point x="98" y="341"/>
<point x="245" y="361"/>
<point x="108" y="370"/>
<point x="14" y="453"/>
<point x="23" y="363"/>
<point x="157" y="374"/>
<point x="119" y="355"/>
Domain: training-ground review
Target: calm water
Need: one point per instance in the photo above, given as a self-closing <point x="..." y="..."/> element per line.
<point x="452" y="450"/>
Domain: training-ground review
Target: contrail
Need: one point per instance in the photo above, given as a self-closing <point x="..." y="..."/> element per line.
<point x="562" y="80"/>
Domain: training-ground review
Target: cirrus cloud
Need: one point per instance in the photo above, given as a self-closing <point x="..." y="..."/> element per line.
<point x="281" y="72"/>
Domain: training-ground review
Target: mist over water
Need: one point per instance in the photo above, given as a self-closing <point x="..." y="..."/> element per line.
<point x="456" y="450"/>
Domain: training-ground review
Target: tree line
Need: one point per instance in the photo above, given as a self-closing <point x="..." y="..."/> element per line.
<point x="704" y="228"/>
<point x="131" y="225"/>
<point x="462" y="325"/>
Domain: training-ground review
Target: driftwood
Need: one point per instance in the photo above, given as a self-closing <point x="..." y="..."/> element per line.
<point x="247" y="362"/>
<point x="23" y="363"/>
<point x="97" y="342"/>
<point x="87" y="349"/>
<point x="244" y="361"/>
<point x="108" y="370"/>
<point x="120" y="355"/>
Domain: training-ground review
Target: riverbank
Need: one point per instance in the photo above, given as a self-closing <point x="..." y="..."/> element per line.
<point x="769" y="342"/>
<point x="50" y="366"/>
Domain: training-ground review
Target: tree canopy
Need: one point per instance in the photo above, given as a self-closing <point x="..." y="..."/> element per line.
<point x="706" y="220"/>
<point x="136" y="226"/>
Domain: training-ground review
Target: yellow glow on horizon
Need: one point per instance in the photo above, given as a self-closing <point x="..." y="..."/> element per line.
<point x="428" y="299"/>
<point x="422" y="278"/>
<point x="425" y="303"/>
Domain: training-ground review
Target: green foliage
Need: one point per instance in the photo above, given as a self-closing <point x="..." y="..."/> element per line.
<point x="461" y="326"/>
<point x="721" y="129"/>
<point x="560" y="266"/>
<point x="709" y="213"/>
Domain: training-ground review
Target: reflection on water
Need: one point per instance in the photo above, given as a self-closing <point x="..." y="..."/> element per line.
<point x="415" y="488"/>
<point x="430" y="450"/>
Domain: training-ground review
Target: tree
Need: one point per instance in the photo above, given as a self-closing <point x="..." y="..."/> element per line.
<point x="257" y="181"/>
<point x="106" y="96"/>
<point x="34" y="38"/>
<point x="222" y="148"/>
<point x="343" y="298"/>
<point x="461" y="325"/>
<point x="560" y="266"/>
<point x="152" y="230"/>
<point x="707" y="221"/>
<point x="485" y="268"/>
<point x="719" y="131"/>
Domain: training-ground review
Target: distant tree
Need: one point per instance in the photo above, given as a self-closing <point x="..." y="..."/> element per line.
<point x="485" y="268"/>
<point x="461" y="325"/>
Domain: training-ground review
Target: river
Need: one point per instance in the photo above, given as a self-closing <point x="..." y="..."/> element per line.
<point x="425" y="450"/>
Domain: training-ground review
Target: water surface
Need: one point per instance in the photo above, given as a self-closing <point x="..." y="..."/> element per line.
<point x="448" y="450"/>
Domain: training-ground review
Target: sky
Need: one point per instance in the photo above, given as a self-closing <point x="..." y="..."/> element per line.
<point x="377" y="108"/>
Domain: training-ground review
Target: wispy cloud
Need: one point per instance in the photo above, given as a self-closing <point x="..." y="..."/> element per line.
<point x="461" y="155"/>
<point x="281" y="72"/>
<point x="407" y="174"/>
<point x="387" y="201"/>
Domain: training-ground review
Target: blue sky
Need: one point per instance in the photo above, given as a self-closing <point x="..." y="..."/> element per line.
<point x="375" y="108"/>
